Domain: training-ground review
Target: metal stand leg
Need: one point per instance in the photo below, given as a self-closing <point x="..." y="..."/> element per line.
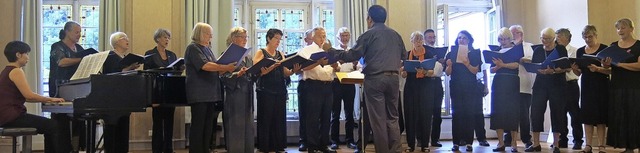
<point x="26" y="144"/>
<point x="91" y="135"/>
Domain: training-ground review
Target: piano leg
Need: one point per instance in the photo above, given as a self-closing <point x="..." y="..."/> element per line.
<point x="91" y="135"/>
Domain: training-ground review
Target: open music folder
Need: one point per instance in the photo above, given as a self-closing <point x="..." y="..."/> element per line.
<point x="512" y="55"/>
<point x="90" y="64"/>
<point x="586" y="60"/>
<point x="266" y="62"/>
<point x="616" y="54"/>
<point x="412" y="65"/>
<point x="234" y="53"/>
<point x="441" y="52"/>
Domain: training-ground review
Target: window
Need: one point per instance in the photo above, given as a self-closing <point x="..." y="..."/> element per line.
<point x="292" y="21"/>
<point x="328" y="23"/>
<point x="54" y="15"/>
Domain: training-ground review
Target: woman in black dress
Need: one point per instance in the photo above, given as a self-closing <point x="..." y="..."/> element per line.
<point x="463" y="62"/>
<point x="505" y="88"/>
<point x="624" y="108"/>
<point x="272" y="96"/>
<point x="417" y="121"/>
<point x="549" y="86"/>
<point x="162" y="137"/>
<point x="594" y="82"/>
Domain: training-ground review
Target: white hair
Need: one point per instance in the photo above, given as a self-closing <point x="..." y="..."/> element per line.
<point x="115" y="37"/>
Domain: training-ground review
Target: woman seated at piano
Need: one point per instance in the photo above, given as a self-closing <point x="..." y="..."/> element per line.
<point x="161" y="139"/>
<point x="15" y="91"/>
<point x="116" y="137"/>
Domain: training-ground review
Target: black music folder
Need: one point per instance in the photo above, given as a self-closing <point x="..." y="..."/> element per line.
<point x="586" y="60"/>
<point x="86" y="52"/>
<point x="234" y="53"/>
<point x="176" y="64"/>
<point x="532" y="67"/>
<point x="412" y="65"/>
<point x="536" y="46"/>
<point x="133" y="58"/>
<point x="562" y="62"/>
<point x="616" y="54"/>
<point x="266" y="62"/>
<point x="323" y="54"/>
<point x="494" y="47"/>
<point x="441" y="52"/>
<point x="296" y="59"/>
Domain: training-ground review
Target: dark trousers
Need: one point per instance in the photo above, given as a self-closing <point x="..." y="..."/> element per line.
<point x="554" y="94"/>
<point x="116" y="133"/>
<point x="303" y="134"/>
<point x="203" y="119"/>
<point x="72" y="127"/>
<point x="435" y="89"/>
<point x="478" y="119"/>
<point x="416" y="112"/>
<point x="342" y="93"/>
<point x="381" y="94"/>
<point x="525" y="124"/>
<point x="271" y="121"/>
<point x="54" y="140"/>
<point x="364" y="130"/>
<point x="464" y="117"/>
<point x="573" y="108"/>
<point x="162" y="138"/>
<point x="318" y="113"/>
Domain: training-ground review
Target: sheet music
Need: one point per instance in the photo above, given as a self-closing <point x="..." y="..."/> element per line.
<point x="91" y="64"/>
<point x="355" y="75"/>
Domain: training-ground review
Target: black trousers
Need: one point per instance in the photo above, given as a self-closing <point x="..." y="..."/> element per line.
<point x="303" y="134"/>
<point x="73" y="127"/>
<point x="318" y="112"/>
<point x="162" y="138"/>
<point x="435" y="94"/>
<point x="416" y="112"/>
<point x="525" y="124"/>
<point x="478" y="119"/>
<point x="203" y="119"/>
<point x="116" y="133"/>
<point x="54" y="139"/>
<point x="573" y="108"/>
<point x="554" y="94"/>
<point x="464" y="116"/>
<point x="342" y="93"/>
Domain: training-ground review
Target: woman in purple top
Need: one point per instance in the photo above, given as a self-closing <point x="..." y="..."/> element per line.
<point x="15" y="91"/>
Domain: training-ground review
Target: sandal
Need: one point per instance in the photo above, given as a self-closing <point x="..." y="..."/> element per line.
<point x="587" y="149"/>
<point x="601" y="149"/>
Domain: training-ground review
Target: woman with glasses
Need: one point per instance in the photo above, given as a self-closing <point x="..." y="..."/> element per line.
<point x="505" y="88"/>
<point x="462" y="64"/>
<point x="549" y="86"/>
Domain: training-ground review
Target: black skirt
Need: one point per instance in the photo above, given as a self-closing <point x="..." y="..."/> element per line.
<point x="624" y="118"/>
<point x="505" y="91"/>
<point x="594" y="99"/>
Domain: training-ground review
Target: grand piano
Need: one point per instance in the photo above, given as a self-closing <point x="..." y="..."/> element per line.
<point x="110" y="96"/>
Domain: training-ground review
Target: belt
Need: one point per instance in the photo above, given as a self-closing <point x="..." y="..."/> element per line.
<point x="387" y="73"/>
<point x="309" y="81"/>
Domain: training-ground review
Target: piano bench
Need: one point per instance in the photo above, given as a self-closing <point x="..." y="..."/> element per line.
<point x="14" y="133"/>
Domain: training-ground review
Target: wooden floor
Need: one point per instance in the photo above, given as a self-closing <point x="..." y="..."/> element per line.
<point x="446" y="148"/>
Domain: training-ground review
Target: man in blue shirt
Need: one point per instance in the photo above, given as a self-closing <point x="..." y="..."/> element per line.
<point x="383" y="50"/>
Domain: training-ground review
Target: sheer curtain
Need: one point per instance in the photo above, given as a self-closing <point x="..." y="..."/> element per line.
<point x="356" y="13"/>
<point x="111" y="20"/>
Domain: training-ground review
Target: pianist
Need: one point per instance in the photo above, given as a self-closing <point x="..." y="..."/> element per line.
<point x="15" y="91"/>
<point x="116" y="137"/>
<point x="161" y="139"/>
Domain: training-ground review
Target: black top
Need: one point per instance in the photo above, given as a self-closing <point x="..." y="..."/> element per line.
<point x="274" y="81"/>
<point x="459" y="72"/>
<point x="622" y="78"/>
<point x="155" y="61"/>
<point x="382" y="49"/>
<point x="112" y="63"/>
<point x="539" y="55"/>
<point x="60" y="51"/>
<point x="201" y="85"/>
<point x="586" y="73"/>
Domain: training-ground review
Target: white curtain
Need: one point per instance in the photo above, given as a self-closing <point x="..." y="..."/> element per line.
<point x="431" y="12"/>
<point x="111" y="20"/>
<point x="356" y="13"/>
<point x="200" y="11"/>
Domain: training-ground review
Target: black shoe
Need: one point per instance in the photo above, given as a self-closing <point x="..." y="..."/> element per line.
<point x="499" y="149"/>
<point x="563" y="144"/>
<point x="410" y="149"/>
<point x="436" y="144"/>
<point x="352" y="145"/>
<point x="577" y="146"/>
<point x="484" y="143"/>
<point x="514" y="149"/>
<point x="587" y="149"/>
<point x="528" y="144"/>
<point x="556" y="150"/>
<point x="533" y="149"/>
<point x="469" y="148"/>
<point x="302" y="147"/>
<point x="425" y="149"/>
<point x="455" y="148"/>
<point x="358" y="151"/>
<point x="334" y="146"/>
<point x="326" y="150"/>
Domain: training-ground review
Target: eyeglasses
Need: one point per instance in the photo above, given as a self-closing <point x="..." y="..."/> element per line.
<point x="243" y="36"/>
<point x="503" y="39"/>
<point x="463" y="38"/>
<point x="546" y="39"/>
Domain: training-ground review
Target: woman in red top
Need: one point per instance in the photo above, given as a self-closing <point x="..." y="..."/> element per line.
<point x="15" y="91"/>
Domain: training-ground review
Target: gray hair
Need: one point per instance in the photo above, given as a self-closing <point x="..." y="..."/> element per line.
<point x="516" y="27"/>
<point x="342" y="30"/>
<point x="548" y="32"/>
<point x="589" y="29"/>
<point x="313" y="31"/>
<point x="416" y="35"/>
<point x="159" y="33"/>
<point x="115" y="37"/>
<point x="308" y="33"/>
<point x="197" y="31"/>
<point x="235" y="31"/>
<point x="505" y="32"/>
<point x="564" y="32"/>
